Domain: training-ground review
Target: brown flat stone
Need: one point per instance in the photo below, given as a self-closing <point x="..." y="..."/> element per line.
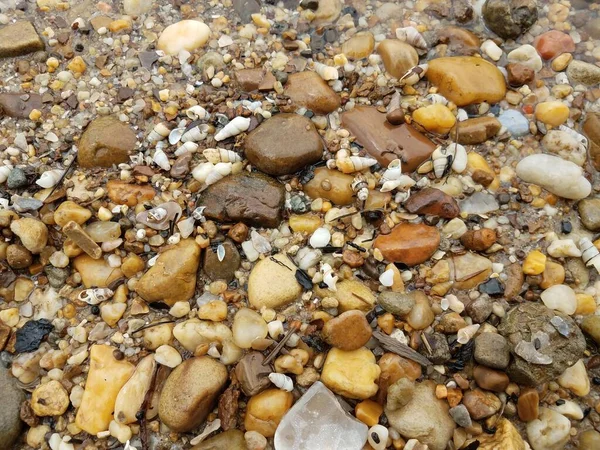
<point x="18" y="39"/>
<point x="254" y="79"/>
<point x="477" y="130"/>
<point x="409" y="243"/>
<point x="348" y="331"/>
<point x="331" y="185"/>
<point x="123" y="193"/>
<point x="19" y="106"/>
<point x="460" y="40"/>
<point x="433" y="202"/>
<point x="106" y="141"/>
<point x="591" y="128"/>
<point x="309" y="90"/>
<point x="398" y="56"/>
<point x="386" y="142"/>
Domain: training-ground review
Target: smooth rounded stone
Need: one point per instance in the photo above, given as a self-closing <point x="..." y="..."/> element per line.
<point x="136" y="7"/>
<point x="479" y="309"/>
<point x="515" y="122"/>
<point x="350" y="294"/>
<point x="409" y="243"/>
<point x="553" y="274"/>
<point x="492" y="350"/>
<point x="103" y="231"/>
<point x="123" y="193"/>
<point x="271" y="284"/>
<point x="254" y="199"/>
<point x="19" y="106"/>
<point x="227" y="440"/>
<point x="553" y="43"/>
<point x="327" y="12"/>
<point x="421" y="315"/>
<point x="576" y="379"/>
<point x="19" y="38"/>
<point x="265" y="411"/>
<point x="477" y="130"/>
<point x="398" y="56"/>
<point x="519" y="74"/>
<point x="550" y="431"/>
<point x="469" y="270"/>
<point x="509" y="19"/>
<point x="303" y="144"/>
<point x="386" y="142"/>
<point x="348" y="331"/>
<point x="317" y="420"/>
<point x="435" y="118"/>
<point x="106" y="377"/>
<point x="589" y="440"/>
<point x="106" y="141"/>
<point x="490" y="379"/>
<point x="561" y="143"/>
<point x="399" y="303"/>
<point x="393" y="368"/>
<point x="309" y="90"/>
<point x="526" y="55"/>
<point x="18" y="257"/>
<point x="359" y="46"/>
<point x="432" y="202"/>
<point x="190" y="393"/>
<point x="183" y="35"/>
<point x="424" y="417"/>
<point x="591" y="326"/>
<point x="553" y="113"/>
<point x="131" y="397"/>
<point x="521" y="323"/>
<point x="331" y="185"/>
<point x="181" y="166"/>
<point x="461" y="416"/>
<point x="560" y="177"/>
<point x="248" y="326"/>
<point x="528" y="404"/>
<point x="222" y="270"/>
<point x="591" y="129"/>
<point x="458" y="78"/>
<point x="95" y="272"/>
<point x="560" y="298"/>
<point x="581" y="72"/>
<point x="17" y="178"/>
<point x="478" y="240"/>
<point x="353" y="374"/>
<point x="12" y="397"/>
<point x="32" y="232"/>
<point x="71" y="211"/>
<point x="49" y="399"/>
<point x="172" y="279"/>
<point x="459" y="40"/>
<point x="450" y="323"/>
<point x="481" y="404"/>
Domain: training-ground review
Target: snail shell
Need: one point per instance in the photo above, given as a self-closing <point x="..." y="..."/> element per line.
<point x="217" y="155"/>
<point x="378" y="437"/>
<point x="159" y="132"/>
<point x="404" y="182"/>
<point x="4" y="173"/>
<point x="195" y="134"/>
<point x="196" y="112"/>
<point x="411" y="36"/>
<point x="49" y="178"/>
<point x="95" y="296"/>
<point x="219" y="171"/>
<point x="413" y="75"/>
<point x="201" y="171"/>
<point x="465" y="334"/>
<point x="161" y="160"/>
<point x="282" y="381"/>
<point x="326" y="72"/>
<point x="349" y="164"/>
<point x="328" y="278"/>
<point x="159" y="218"/>
<point x="233" y="128"/>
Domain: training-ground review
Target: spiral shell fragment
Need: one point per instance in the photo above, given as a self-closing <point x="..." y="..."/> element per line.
<point x="411" y="36"/>
<point x="589" y="253"/>
<point x="233" y="128"/>
<point x="326" y="72"/>
<point x="282" y="381"/>
<point x="350" y="164"/>
<point x="95" y="296"/>
<point x="159" y="132"/>
<point x="217" y="155"/>
<point x="413" y="75"/>
<point x="50" y="178"/>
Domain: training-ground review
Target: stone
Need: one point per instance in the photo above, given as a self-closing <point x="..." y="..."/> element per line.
<point x="509" y="19"/>
<point x="550" y="431"/>
<point x="561" y="143"/>
<point x="18" y="257"/>
<point x="222" y="270"/>
<point x="399" y="303"/>
<point x="273" y="284"/>
<point x="436" y="118"/>
<point x="409" y="243"/>
<point x="438" y="351"/>
<point x="181" y="166"/>
<point x="248" y="326"/>
<point x="526" y="55"/>
<point x="469" y="270"/>
<point x="393" y="368"/>
<point x="450" y="323"/>
<point x="492" y="350"/>
<point x="479" y="309"/>
<point x="528" y="404"/>
<point x="95" y="272"/>
<point x="520" y="323"/>
<point x="461" y="416"/>
<point x="265" y="411"/>
<point x="352" y="374"/>
<point x="553" y="43"/>
<point x="68" y="211"/>
<point x="173" y="277"/>
<point x="591" y="326"/>
<point x="331" y="185"/>
<point x="32" y="232"/>
<point x="561" y="298"/>
<point x="458" y="79"/>
<point x="106" y="377"/>
<point x="131" y="397"/>
<point x="348" y="331"/>
<point x="136" y="7"/>
<point x="553" y="113"/>
<point x="424" y="417"/>
<point x="481" y="404"/>
<point x="317" y="420"/>
<point x="123" y="193"/>
<point x="350" y="294"/>
<point x="478" y="240"/>
<point x="560" y="177"/>
<point x="49" y="399"/>
<point x="303" y="144"/>
<point x="459" y="40"/>
<point x="183" y="35"/>
<point x="106" y="141"/>
<point x="327" y="12"/>
<point x="386" y="142"/>
<point x="591" y="128"/>
<point x="252" y="374"/>
<point x="398" y="56"/>
<point x="256" y="200"/>
<point x="19" y="39"/>
<point x="12" y="397"/>
<point x="190" y="393"/>
<point x="433" y="202"/>
<point x="227" y="440"/>
<point x="476" y="131"/>
<point x="576" y="379"/>
<point x="506" y="437"/>
<point x="515" y="122"/>
<point x="580" y="72"/>
<point x="17" y="178"/>
<point x="490" y="379"/>
<point x="309" y="90"/>
<point x="254" y="79"/>
<point x="19" y="105"/>
<point x="359" y="46"/>
<point x="519" y="74"/>
<point x="589" y="440"/>
<point x="421" y="315"/>
<point x="245" y="9"/>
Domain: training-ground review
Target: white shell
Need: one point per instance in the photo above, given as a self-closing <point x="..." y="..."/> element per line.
<point x="440" y="158"/>
<point x="328" y="277"/>
<point x="186" y="227"/>
<point x="4" y="173"/>
<point x="217" y="155"/>
<point x="219" y="171"/>
<point x="49" y="178"/>
<point x="161" y="160"/>
<point x="260" y="243"/>
<point x="159" y="132"/>
<point x="233" y="128"/>
<point x="320" y="238"/>
<point x="465" y="334"/>
<point x="459" y="163"/>
<point x="387" y="278"/>
<point x="210" y="427"/>
<point x="326" y="72"/>
<point x="411" y="36"/>
<point x="175" y="135"/>
<point x="437" y="99"/>
<point x="187" y="147"/>
<point x="404" y="182"/>
<point x="197" y="133"/>
<point x="589" y="253"/>
<point x="196" y="112"/>
<point x="95" y="296"/>
<point x="462" y="115"/>
<point x="393" y="172"/>
<point x="413" y="75"/>
<point x="349" y="164"/>
<point x="220" y="252"/>
<point x="282" y="381"/>
<point x="201" y="171"/>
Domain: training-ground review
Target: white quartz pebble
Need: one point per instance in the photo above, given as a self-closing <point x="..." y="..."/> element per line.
<point x="550" y="431"/>
<point x="562" y="248"/>
<point x="183" y="35"/>
<point x="320" y="238"/>
<point x="561" y="298"/>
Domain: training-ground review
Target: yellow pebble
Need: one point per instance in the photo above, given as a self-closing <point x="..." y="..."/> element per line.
<point x="118" y="25"/>
<point x="35" y="114"/>
<point x="535" y="263"/>
<point x="304" y="223"/>
<point x="553" y="113"/>
<point x="435" y="118"/>
<point x="368" y="412"/>
<point x="77" y="65"/>
<point x="586" y="304"/>
<point x="561" y="62"/>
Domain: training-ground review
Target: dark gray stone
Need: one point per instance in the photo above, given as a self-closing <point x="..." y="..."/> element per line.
<point x="399" y="303"/>
<point x="492" y="350"/>
<point x="509" y="19"/>
<point x="12" y="396"/>
<point x="17" y="179"/>
<point x="245" y="9"/>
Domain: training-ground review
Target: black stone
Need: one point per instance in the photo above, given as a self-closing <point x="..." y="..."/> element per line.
<point x="31" y="335"/>
<point x="303" y="279"/>
<point x="309" y="4"/>
<point x="566" y="227"/>
<point x="492" y="287"/>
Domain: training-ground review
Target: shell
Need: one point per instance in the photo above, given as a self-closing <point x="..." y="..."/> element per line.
<point x="201" y="171"/>
<point x="4" y="173"/>
<point x="404" y="182"/>
<point x="393" y="172"/>
<point x="196" y="112"/>
<point x="465" y="334"/>
<point x="95" y="296"/>
<point x="161" y="159"/>
<point x="387" y="278"/>
<point x="425" y="167"/>
<point x="175" y="135"/>
<point x="350" y="164"/>
<point x="219" y="171"/>
<point x="462" y="115"/>
<point x="437" y="99"/>
<point x="220" y="252"/>
<point x="282" y="381"/>
<point x="589" y="253"/>
<point x="363" y="194"/>
<point x="233" y="128"/>
<point x="210" y="428"/>
<point x="186" y="227"/>
<point x="413" y="75"/>
<point x="411" y="36"/>
<point x="328" y="277"/>
<point x="198" y="213"/>
<point x="444" y="157"/>
<point x="320" y="238"/>
<point x="217" y="155"/>
<point x="361" y="187"/>
<point x="49" y="178"/>
<point x="160" y="217"/>
<point x="159" y="132"/>
<point x="459" y="163"/>
<point x="378" y="437"/>
<point x="326" y="72"/>
<point x="195" y="134"/>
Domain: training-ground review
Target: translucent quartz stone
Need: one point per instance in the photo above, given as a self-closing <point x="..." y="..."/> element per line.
<point x="317" y="420"/>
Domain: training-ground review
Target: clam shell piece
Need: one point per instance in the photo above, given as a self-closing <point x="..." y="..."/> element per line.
<point x="159" y="218"/>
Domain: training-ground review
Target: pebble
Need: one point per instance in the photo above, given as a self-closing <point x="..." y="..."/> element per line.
<point x="265" y="411"/>
<point x="583" y="73"/>
<point x="591" y="326"/>
<point x="421" y="315"/>
<point x="254" y="79"/>
<point x="17" y="179"/>
<point x="481" y="404"/>
<point x="359" y="46"/>
<point x="352" y="374"/>
<point x="248" y="326"/>
<point x="409" y="243"/>
<point x="136" y="7"/>
<point x="348" y="331"/>
<point x="509" y="19"/>
<point x="589" y="440"/>
<point x="528" y="404"/>
<point x="561" y="298"/>
<point x="550" y="431"/>
<point x="19" y="38"/>
<point x="183" y="35"/>
<point x="564" y="145"/>
<point x="515" y="122"/>
<point x="478" y="240"/>
<point x="12" y="396"/>
<point x="227" y="440"/>
<point x="432" y="202"/>
<point x="309" y="90"/>
<point x="331" y="185"/>
<point x="399" y="303"/>
<point x="190" y="393"/>
<point x="435" y="118"/>
<point x="576" y="379"/>
<point x="553" y="43"/>
<point x="123" y="193"/>
<point x="519" y="74"/>
<point x="131" y="396"/>
<point x="553" y="113"/>
<point x="526" y="55"/>
<point x="71" y="211"/>
<point x="398" y="57"/>
<point x="106" y="141"/>
<point x="272" y="285"/>
<point x="225" y="269"/>
<point x="461" y="416"/>
<point x="489" y="379"/>
<point x="32" y="232"/>
<point x="351" y="294"/>
<point x="591" y="129"/>
<point x="477" y="130"/>
<point x="49" y="399"/>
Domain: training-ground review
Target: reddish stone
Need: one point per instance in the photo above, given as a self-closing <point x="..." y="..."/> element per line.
<point x="409" y="243"/>
<point x="519" y="74"/>
<point x="553" y="43"/>
<point x="433" y="202"/>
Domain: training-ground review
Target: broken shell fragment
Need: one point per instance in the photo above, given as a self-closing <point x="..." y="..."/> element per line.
<point x="160" y="217"/>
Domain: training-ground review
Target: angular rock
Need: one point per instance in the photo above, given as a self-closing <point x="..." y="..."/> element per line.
<point x="303" y="145"/>
<point x="19" y="106"/>
<point x="469" y="270"/>
<point x="273" y="283"/>
<point x="12" y="396"/>
<point x="32" y="232"/>
<point x="254" y="79"/>
<point x="123" y="193"/>
<point x="106" y="141"/>
<point x="222" y="270"/>
<point x="350" y="294"/>
<point x="95" y="272"/>
<point x="476" y="131"/>
<point x="507" y="437"/>
<point x="254" y="199"/>
<point x="308" y="89"/>
<point x="18" y="39"/>
<point x="386" y="142"/>
<point x="173" y="277"/>
<point x="481" y="404"/>
<point x="492" y="350"/>
<point x="352" y="374"/>
<point x="432" y="202"/>
<point x="252" y="374"/>
<point x="331" y="185"/>
<point x="348" y="331"/>
<point x="409" y="243"/>
<point x="398" y="56"/>
<point x="519" y="74"/>
<point x="509" y="19"/>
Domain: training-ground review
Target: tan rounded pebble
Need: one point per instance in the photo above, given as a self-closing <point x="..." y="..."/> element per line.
<point x="50" y="399"/>
<point x="265" y="411"/>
